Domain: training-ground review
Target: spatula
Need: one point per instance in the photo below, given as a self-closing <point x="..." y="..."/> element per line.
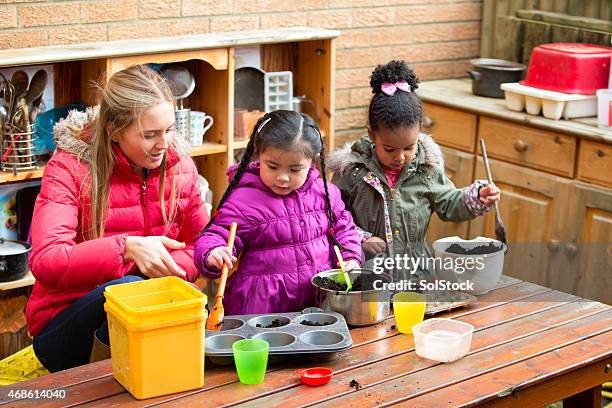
<point x="215" y="320"/>
<point x="347" y="279"/>
<point x="500" y="230"/>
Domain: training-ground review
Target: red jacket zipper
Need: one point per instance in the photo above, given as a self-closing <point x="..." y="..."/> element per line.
<point x="143" y="196"/>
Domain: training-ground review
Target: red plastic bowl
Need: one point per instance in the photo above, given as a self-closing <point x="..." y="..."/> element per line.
<point x="573" y="68"/>
<point x="315" y="376"/>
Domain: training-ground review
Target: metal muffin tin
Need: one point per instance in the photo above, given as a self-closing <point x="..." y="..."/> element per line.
<point x="293" y="338"/>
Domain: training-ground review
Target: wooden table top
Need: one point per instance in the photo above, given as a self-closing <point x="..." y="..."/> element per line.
<point x="532" y="346"/>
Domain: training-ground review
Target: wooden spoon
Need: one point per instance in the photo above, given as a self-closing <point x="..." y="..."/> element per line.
<point x="215" y="320"/>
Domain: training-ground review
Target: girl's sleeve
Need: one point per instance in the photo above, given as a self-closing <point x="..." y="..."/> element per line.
<point x="217" y="235"/>
<point x="345" y="230"/>
<point x="57" y="261"/>
<point x="194" y="220"/>
<point x="343" y="184"/>
<point x="453" y="204"/>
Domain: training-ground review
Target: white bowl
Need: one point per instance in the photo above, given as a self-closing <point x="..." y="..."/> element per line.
<point x="443" y="340"/>
<point x="482" y="272"/>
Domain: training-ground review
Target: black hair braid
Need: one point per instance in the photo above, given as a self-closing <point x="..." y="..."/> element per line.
<point x="403" y="109"/>
<point x="246" y="159"/>
<point x="330" y="213"/>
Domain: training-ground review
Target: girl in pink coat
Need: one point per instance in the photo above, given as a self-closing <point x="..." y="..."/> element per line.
<point x="119" y="202"/>
<point x="288" y="218"/>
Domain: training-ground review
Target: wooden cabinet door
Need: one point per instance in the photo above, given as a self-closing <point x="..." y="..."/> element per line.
<point x="587" y="254"/>
<point x="459" y="167"/>
<point x="532" y="207"/>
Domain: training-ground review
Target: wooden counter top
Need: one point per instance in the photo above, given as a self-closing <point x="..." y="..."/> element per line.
<point x="59" y="53"/>
<point x="457" y="93"/>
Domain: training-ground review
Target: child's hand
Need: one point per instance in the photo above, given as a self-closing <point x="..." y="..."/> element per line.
<point x="374" y="245"/>
<point x="489" y="194"/>
<point x="220" y="255"/>
<point x="350" y="265"/>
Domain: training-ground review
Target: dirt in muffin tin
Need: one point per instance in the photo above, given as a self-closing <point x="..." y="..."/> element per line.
<point x="478" y="250"/>
<point x="309" y="323"/>
<point x="274" y="323"/>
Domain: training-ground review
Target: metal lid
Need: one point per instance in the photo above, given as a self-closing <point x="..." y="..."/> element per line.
<point x="9" y="247"/>
<point x="497" y="64"/>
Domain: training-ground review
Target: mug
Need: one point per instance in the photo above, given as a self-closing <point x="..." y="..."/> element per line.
<point x="200" y="123"/>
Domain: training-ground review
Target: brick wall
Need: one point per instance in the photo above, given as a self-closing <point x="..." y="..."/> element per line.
<point x="437" y="37"/>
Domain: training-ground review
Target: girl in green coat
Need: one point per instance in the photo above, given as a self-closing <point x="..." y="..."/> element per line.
<point x="393" y="179"/>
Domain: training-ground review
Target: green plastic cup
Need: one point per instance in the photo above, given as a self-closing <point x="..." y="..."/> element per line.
<point x="251" y="358"/>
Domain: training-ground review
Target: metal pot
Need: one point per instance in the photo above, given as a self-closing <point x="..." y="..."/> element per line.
<point x="489" y="74"/>
<point x="13" y="259"/>
<point x="359" y="308"/>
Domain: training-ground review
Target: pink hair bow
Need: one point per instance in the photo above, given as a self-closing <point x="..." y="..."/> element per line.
<point x="389" y="88"/>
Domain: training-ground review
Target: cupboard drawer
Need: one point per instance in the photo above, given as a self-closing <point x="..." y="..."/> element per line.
<point x="595" y="163"/>
<point x="450" y="127"/>
<point x="527" y="146"/>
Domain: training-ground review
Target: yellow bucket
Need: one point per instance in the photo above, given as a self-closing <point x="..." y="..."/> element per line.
<point x="156" y="330"/>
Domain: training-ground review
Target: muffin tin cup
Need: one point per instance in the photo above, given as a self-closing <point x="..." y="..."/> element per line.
<point x="323" y="335"/>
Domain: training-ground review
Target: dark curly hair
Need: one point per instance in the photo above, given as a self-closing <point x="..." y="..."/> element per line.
<point x="403" y="109"/>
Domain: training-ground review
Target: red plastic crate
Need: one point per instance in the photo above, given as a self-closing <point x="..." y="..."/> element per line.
<point x="573" y="68"/>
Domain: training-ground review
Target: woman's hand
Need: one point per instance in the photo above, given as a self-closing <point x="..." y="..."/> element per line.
<point x="489" y="194"/>
<point x="151" y="256"/>
<point x="220" y="255"/>
<point x="374" y="245"/>
<point x="350" y="265"/>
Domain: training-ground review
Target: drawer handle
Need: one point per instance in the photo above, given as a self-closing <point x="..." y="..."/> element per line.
<point x="427" y="122"/>
<point x="571" y="250"/>
<point x="553" y="245"/>
<point x="521" y="146"/>
<point x="600" y="153"/>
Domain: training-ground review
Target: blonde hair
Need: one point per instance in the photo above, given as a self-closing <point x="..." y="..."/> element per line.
<point x="127" y="94"/>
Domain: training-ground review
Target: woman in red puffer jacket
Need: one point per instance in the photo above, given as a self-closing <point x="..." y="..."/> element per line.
<point x="119" y="202"/>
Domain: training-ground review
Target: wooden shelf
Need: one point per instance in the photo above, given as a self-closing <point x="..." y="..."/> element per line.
<point x="8" y="177"/>
<point x="240" y="143"/>
<point x="208" y="148"/>
<point x="27" y="280"/>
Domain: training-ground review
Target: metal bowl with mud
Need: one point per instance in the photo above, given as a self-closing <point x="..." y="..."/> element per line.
<point x="367" y="303"/>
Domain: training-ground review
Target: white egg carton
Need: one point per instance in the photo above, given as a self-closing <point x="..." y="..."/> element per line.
<point x="553" y="105"/>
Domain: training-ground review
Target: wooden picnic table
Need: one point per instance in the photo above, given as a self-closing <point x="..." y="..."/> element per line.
<point x="532" y="346"/>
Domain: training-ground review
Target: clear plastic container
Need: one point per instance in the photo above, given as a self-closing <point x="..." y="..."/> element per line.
<point x="443" y="340"/>
<point x="604" y="107"/>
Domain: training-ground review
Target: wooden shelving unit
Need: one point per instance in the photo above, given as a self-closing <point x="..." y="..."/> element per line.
<point x="28" y="175"/>
<point x="208" y="148"/>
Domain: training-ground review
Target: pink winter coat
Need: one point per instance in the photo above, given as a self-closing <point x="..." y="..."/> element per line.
<point x="65" y="265"/>
<point x="282" y="242"/>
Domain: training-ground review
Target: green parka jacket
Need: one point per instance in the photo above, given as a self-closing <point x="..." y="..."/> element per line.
<point x="401" y="215"/>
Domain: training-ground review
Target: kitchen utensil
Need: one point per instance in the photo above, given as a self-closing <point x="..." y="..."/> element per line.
<point x="500" y="230"/>
<point x="36" y="88"/>
<point x="249" y="89"/>
<point x="20" y="82"/>
<point x="315" y="376"/>
<point x="181" y="81"/>
<point x="13" y="259"/>
<point x="215" y="320"/>
<point x="251" y="358"/>
<point x="360" y="308"/>
<point x="488" y="74"/>
<point x="303" y="105"/>
<point x="573" y="68"/>
<point x="443" y="340"/>
<point x="409" y="310"/>
<point x="483" y="276"/>
<point x="347" y="280"/>
<point x="18" y="149"/>
<point x="200" y="123"/>
<point x="317" y="335"/>
<point x="183" y="123"/>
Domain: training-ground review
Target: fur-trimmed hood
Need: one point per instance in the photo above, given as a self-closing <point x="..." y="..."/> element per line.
<point x="71" y="135"/>
<point x="360" y="151"/>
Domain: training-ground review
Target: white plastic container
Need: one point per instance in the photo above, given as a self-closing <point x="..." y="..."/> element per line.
<point x="604" y="107"/>
<point x="553" y="105"/>
<point x="443" y="340"/>
<point x="483" y="272"/>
